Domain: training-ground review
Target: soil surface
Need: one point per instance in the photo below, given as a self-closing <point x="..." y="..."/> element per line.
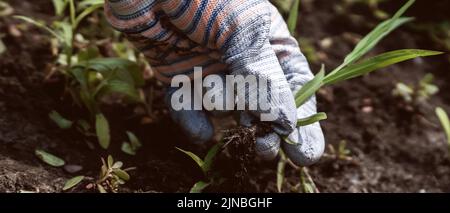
<point x="394" y="146"/>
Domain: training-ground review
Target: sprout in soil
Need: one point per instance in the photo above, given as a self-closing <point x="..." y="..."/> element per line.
<point x="416" y="94"/>
<point x="205" y="165"/>
<point x="111" y="177"/>
<point x="89" y="78"/>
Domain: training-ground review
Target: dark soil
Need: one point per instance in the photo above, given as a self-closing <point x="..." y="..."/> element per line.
<point x="394" y="147"/>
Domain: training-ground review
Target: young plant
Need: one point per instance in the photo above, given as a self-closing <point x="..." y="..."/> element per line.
<point x="90" y="78"/>
<point x="111" y="177"/>
<point x="415" y="94"/>
<point x="306" y="183"/>
<point x="445" y="122"/>
<point x="353" y="66"/>
<point x="206" y="167"/>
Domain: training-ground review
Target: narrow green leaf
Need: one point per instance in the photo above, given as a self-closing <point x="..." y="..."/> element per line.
<point x="40" y="25"/>
<point x="122" y="174"/>
<point x="293" y="16"/>
<point x="445" y="122"/>
<point x="48" y="158"/>
<point x="280" y="171"/>
<point x="375" y="36"/>
<point x="289" y="141"/>
<point x="134" y="141"/>
<point x="194" y="157"/>
<point x="310" y="88"/>
<point x="199" y="187"/>
<point x="110" y="161"/>
<point x="60" y="6"/>
<point x="60" y="120"/>
<point x="102" y="130"/>
<point x="312" y="119"/>
<point x="73" y="182"/>
<point x="375" y="63"/>
<point x="84" y="14"/>
<point x="209" y="159"/>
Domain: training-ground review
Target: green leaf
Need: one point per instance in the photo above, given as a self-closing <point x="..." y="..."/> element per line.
<point x="375" y="36"/>
<point x="122" y="174"/>
<point x="110" y="161"/>
<point x="59" y="120"/>
<point x="60" y="6"/>
<point x="40" y="25"/>
<point x="120" y="87"/>
<point x="101" y="189"/>
<point x="85" y="13"/>
<point x="87" y="3"/>
<point x="194" y="157"/>
<point x="375" y="63"/>
<point x="310" y="88"/>
<point x="445" y="122"/>
<point x="126" y="148"/>
<point x="117" y="165"/>
<point x="280" y="171"/>
<point x="289" y="141"/>
<point x="122" y="69"/>
<point x="48" y="158"/>
<point x="134" y="141"/>
<point x="102" y="130"/>
<point x="73" y="182"/>
<point x="293" y="16"/>
<point x="209" y="159"/>
<point x="199" y="187"/>
<point x="312" y="119"/>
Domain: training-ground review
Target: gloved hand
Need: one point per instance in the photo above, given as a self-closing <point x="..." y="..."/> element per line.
<point x="237" y="37"/>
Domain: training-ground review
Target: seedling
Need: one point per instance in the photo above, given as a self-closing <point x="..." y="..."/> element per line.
<point x="445" y="121"/>
<point x="206" y="166"/>
<point x="353" y="66"/>
<point x="306" y="183"/>
<point x="341" y="153"/>
<point x="111" y="177"/>
<point x="415" y="94"/>
<point x="89" y="78"/>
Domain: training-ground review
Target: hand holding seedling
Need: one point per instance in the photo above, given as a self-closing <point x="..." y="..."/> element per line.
<point x="228" y="37"/>
<point x="246" y="38"/>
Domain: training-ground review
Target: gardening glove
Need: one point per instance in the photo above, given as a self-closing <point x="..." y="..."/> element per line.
<point x="309" y="140"/>
<point x="222" y="36"/>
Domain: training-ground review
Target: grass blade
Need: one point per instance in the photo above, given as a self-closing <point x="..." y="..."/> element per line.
<point x="313" y="119"/>
<point x="40" y="25"/>
<point x="293" y="17"/>
<point x="310" y="88"/>
<point x="375" y="36"/>
<point x="73" y="182"/>
<point x="102" y="130"/>
<point x="280" y="171"/>
<point x="194" y="157"/>
<point x="375" y="63"/>
<point x="445" y="122"/>
<point x="209" y="159"/>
